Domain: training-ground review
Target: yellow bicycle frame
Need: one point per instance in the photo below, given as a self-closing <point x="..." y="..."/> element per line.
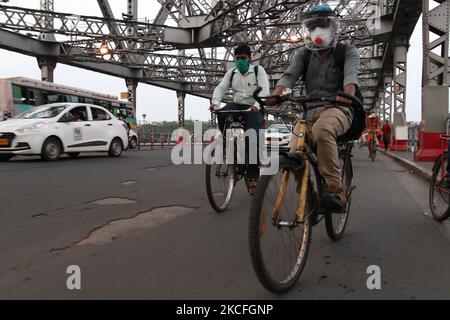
<point x="299" y="146"/>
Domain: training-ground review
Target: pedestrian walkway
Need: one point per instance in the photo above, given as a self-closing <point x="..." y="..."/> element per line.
<point x="406" y="158"/>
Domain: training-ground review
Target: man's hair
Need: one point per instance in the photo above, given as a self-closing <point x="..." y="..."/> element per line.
<point x="243" y="49"/>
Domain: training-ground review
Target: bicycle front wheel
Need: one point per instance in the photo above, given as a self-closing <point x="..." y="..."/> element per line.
<point x="439" y="193"/>
<point x="220" y="182"/>
<point x="279" y="244"/>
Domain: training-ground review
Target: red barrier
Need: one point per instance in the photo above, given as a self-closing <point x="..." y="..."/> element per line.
<point x="399" y="145"/>
<point x="430" y="147"/>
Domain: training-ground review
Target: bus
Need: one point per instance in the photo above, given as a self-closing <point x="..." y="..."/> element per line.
<point x="19" y="94"/>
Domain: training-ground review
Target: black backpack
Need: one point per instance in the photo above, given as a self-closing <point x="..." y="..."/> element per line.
<point x="359" y="117"/>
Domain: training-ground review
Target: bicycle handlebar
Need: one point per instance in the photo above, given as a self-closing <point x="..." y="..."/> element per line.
<point x="232" y="111"/>
<point x="302" y="100"/>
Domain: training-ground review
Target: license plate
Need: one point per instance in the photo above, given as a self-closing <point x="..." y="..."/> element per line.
<point x="4" y="142"/>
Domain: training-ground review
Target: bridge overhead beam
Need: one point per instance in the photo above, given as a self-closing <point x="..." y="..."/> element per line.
<point x="435" y="78"/>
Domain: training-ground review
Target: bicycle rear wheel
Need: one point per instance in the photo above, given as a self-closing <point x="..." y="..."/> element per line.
<point x="220" y="182"/>
<point x="336" y="223"/>
<point x="279" y="247"/>
<point x="439" y="193"/>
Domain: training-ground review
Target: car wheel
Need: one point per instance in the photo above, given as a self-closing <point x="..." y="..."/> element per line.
<point x="133" y="143"/>
<point x="73" y="154"/>
<point x="5" y="157"/>
<point x="51" y="149"/>
<point x="116" y="148"/>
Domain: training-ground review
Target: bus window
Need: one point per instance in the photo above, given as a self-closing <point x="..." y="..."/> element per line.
<point x="73" y="99"/>
<point x="17" y="94"/>
<point x="89" y="100"/>
<point x="52" y="97"/>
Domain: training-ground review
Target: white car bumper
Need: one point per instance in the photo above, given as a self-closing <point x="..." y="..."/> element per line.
<point x="20" y="143"/>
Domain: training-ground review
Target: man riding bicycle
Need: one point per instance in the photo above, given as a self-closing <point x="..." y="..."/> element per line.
<point x="244" y="79"/>
<point x="318" y="64"/>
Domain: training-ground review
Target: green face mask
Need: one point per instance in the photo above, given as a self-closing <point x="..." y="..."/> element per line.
<point x="242" y="65"/>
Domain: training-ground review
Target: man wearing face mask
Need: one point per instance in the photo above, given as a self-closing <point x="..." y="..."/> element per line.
<point x="244" y="79"/>
<point x="326" y="67"/>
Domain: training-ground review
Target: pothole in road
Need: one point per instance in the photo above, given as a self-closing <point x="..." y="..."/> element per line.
<point x="113" y="201"/>
<point x="120" y="228"/>
<point x="128" y="183"/>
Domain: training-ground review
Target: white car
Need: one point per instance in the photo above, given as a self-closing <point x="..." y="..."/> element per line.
<point x="53" y="129"/>
<point x="279" y="135"/>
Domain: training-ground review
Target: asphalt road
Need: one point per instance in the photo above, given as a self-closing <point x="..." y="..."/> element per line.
<point x="159" y="239"/>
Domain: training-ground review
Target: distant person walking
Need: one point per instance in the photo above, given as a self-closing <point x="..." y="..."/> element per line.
<point x="386" y="135"/>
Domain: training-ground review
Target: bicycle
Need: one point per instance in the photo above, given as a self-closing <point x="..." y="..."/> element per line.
<point x="372" y="145"/>
<point x="286" y="205"/>
<point x="439" y="195"/>
<point x="226" y="176"/>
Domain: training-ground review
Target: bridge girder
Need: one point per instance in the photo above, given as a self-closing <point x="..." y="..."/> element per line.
<point x="147" y="52"/>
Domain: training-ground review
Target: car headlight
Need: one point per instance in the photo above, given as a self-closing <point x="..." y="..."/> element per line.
<point x="31" y="127"/>
<point x="287" y="137"/>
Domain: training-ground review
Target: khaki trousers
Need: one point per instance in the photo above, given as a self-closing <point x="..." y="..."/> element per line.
<point x="328" y="125"/>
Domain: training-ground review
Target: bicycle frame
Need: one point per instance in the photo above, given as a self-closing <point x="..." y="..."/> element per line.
<point x="299" y="147"/>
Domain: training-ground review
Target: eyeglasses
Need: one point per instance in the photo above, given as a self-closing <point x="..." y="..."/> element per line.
<point x="322" y="22"/>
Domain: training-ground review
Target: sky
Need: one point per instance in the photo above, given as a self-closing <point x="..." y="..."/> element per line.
<point x="157" y="103"/>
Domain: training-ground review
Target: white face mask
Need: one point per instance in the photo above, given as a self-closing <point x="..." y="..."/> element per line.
<point x="322" y="37"/>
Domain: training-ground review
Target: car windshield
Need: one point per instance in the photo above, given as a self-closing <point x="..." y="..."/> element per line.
<point x="279" y="129"/>
<point x="42" y="112"/>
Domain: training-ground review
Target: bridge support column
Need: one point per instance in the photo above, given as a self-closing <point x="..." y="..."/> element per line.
<point x="400" y="68"/>
<point x="435" y="78"/>
<point x="47" y="66"/>
<point x="132" y="93"/>
<point x="401" y="44"/>
<point x="181" y="95"/>
<point x="381" y="104"/>
<point x="387" y="99"/>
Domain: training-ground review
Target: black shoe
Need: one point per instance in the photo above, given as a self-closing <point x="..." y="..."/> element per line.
<point x="333" y="202"/>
